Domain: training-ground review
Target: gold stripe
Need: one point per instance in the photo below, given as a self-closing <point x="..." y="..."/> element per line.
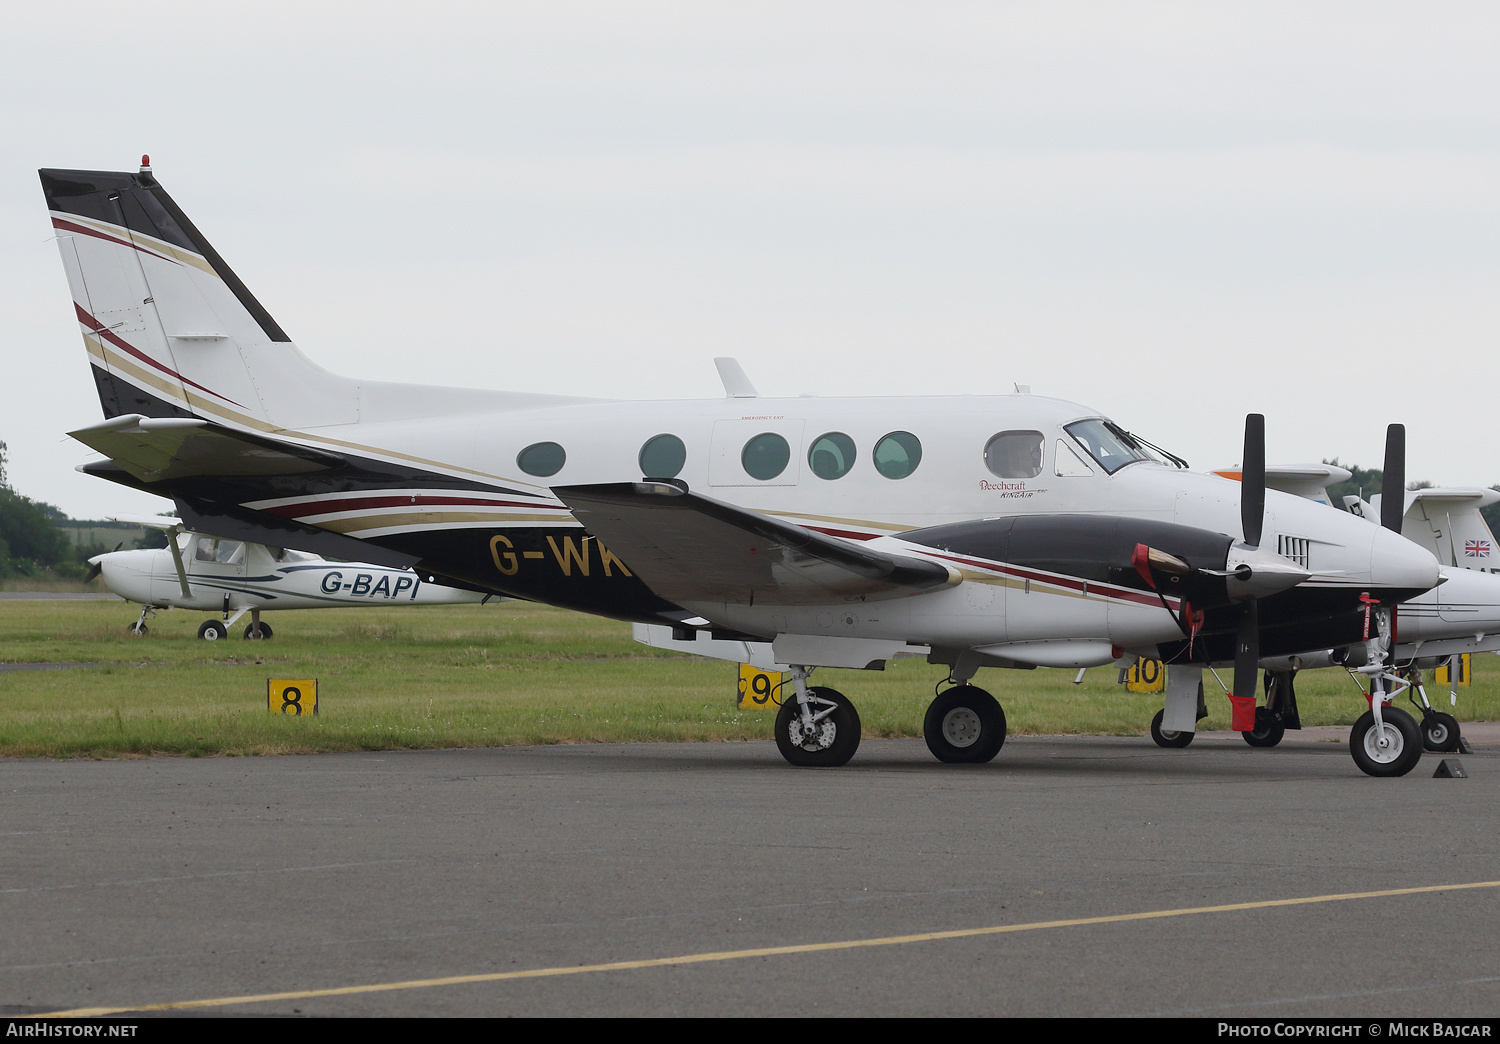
<point x="118" y="360"/>
<point x="892" y="527"/>
<point x="419" y="518"/>
<point x="767" y="951"/>
<point x="161" y="246"/>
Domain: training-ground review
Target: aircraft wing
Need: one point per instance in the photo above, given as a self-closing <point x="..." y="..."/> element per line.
<point x="162" y="522"/>
<point x="154" y="449"/>
<point x="688" y="547"/>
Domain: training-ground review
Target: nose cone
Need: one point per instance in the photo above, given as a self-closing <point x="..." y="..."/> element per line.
<point x="127" y="574"/>
<point x="1397" y="563"/>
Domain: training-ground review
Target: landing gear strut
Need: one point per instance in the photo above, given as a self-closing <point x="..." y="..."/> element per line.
<point x="819" y="728"/>
<point x="1279" y="712"/>
<point x="139" y="628"/>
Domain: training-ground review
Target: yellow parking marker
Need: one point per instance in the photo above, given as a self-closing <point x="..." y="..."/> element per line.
<point x="767" y="951"/>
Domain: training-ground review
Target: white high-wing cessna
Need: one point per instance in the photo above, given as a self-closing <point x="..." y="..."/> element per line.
<point x="1006" y="530"/>
<point x="232" y="577"/>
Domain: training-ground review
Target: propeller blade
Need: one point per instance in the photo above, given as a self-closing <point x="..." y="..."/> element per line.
<point x="94" y="570"/>
<point x="1246" y="667"/>
<point x="1253" y="479"/>
<point x="1393" y="482"/>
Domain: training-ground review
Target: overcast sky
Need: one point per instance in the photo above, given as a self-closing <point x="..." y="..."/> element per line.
<point x="1174" y="212"/>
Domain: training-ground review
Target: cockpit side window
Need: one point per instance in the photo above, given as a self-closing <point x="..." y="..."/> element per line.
<point x="1067" y="463"/>
<point x="1109" y="444"/>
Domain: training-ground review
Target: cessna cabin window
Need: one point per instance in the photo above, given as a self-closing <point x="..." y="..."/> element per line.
<point x="224" y="552"/>
<point x="898" y="454"/>
<point x="1014" y="454"/>
<point x="542" y="459"/>
<point x="832" y="455"/>
<point x="663" y="456"/>
<point x="1109" y="444"/>
<point x="766" y="456"/>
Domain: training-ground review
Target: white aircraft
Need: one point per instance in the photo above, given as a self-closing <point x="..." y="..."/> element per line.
<point x="233" y="577"/>
<point x="975" y="530"/>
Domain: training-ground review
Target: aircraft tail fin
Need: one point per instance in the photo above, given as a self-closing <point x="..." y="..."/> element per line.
<point x="169" y="328"/>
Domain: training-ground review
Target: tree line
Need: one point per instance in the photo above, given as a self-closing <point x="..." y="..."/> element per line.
<point x="33" y="540"/>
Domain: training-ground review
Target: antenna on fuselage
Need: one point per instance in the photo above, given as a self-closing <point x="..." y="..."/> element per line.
<point x="736" y="384"/>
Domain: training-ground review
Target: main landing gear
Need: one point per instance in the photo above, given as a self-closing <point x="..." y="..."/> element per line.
<point x="1168" y="737"/>
<point x="964" y="725"/>
<point x="819" y="728"/>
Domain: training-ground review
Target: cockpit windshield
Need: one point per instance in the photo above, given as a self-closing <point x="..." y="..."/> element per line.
<point x="1114" y="447"/>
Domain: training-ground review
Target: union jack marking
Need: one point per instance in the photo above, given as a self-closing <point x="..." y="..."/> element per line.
<point x="1477" y="549"/>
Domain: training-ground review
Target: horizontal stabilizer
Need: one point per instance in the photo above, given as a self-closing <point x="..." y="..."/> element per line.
<point x="155" y="449"/>
<point x="692" y="548"/>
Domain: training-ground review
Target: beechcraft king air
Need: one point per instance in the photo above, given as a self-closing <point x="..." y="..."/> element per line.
<point x="975" y="530"/>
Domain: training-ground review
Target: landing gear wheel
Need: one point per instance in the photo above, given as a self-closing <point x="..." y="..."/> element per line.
<point x="265" y="631"/>
<point x="140" y="630"/>
<point x="1167" y="738"/>
<point x="833" y="737"/>
<point x="964" y="725"/>
<point x="1440" y="732"/>
<point x="1402" y="749"/>
<point x="212" y="631"/>
<point x="1267" y="732"/>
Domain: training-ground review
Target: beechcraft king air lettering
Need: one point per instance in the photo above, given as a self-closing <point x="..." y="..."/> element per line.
<point x="822" y="532"/>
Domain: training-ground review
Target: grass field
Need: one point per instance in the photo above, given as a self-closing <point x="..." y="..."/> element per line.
<point x="504" y="673"/>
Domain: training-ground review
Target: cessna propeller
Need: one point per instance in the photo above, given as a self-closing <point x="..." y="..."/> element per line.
<point x="98" y="566"/>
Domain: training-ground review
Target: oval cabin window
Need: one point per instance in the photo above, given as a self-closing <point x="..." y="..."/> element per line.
<point x="542" y="459"/>
<point x="831" y="456"/>
<point x="765" y="456"/>
<point x="898" y="454"/>
<point x="663" y="456"/>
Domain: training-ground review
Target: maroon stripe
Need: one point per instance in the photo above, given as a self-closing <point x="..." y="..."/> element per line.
<point x="97" y="327"/>
<point x="324" y="507"/>
<point x="1120" y="593"/>
<point x="85" y="231"/>
<point x="848" y="534"/>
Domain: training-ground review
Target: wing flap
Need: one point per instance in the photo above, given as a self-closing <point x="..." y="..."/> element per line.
<point x="689" y="547"/>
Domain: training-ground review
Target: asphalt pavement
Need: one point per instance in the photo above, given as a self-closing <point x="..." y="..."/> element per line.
<point x="387" y="876"/>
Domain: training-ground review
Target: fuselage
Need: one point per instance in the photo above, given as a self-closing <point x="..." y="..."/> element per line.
<point x="869" y="470"/>
<point x="233" y="575"/>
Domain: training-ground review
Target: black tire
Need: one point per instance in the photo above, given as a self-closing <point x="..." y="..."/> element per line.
<point x="964" y="725"/>
<point x="212" y="631"/>
<point x="1268" y="730"/>
<point x="265" y="631"/>
<point x="1440" y="732"/>
<point x="1397" y="759"/>
<point x="835" y="737"/>
<point x="1166" y="738"/>
<point x="139" y="630"/>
